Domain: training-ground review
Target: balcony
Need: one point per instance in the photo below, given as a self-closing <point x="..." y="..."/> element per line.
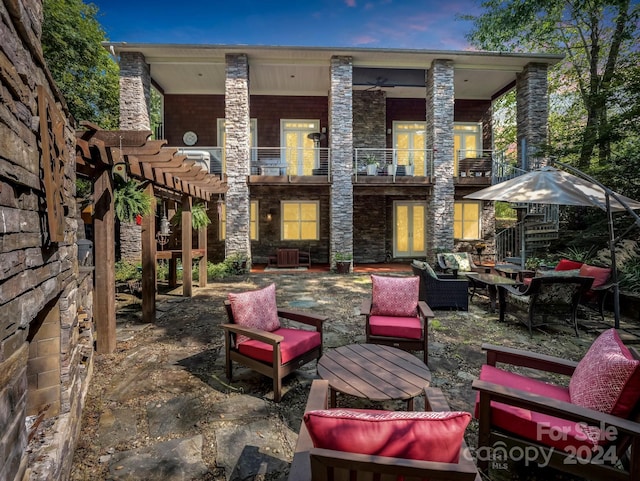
<point x="384" y="166"/>
<point x="473" y="167"/>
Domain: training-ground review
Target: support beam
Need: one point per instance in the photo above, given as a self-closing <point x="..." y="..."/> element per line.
<point x="149" y="263"/>
<point x="105" y="283"/>
<point x="202" y="267"/>
<point x="187" y="247"/>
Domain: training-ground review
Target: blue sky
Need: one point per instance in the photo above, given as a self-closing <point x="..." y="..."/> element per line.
<point x="428" y="24"/>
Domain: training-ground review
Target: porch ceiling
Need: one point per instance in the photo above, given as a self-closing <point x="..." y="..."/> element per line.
<point x="200" y="69"/>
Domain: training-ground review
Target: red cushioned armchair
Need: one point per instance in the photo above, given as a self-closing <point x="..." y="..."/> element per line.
<point x="269" y="348"/>
<point x="590" y="428"/>
<point x="395" y="317"/>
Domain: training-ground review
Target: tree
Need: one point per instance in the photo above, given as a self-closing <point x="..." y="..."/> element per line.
<point x="83" y="70"/>
<point x="598" y="37"/>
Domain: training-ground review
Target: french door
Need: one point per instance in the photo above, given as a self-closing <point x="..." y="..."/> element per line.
<point x="298" y="148"/>
<point x="409" y="229"/>
<point x="409" y="140"/>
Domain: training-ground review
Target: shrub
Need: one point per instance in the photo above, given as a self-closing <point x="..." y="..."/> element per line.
<point x="128" y="271"/>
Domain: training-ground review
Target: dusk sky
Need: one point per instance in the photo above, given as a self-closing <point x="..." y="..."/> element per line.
<point x="428" y="24"/>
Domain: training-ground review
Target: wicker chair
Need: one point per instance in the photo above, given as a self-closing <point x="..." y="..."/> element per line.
<point x="459" y="261"/>
<point x="441" y="292"/>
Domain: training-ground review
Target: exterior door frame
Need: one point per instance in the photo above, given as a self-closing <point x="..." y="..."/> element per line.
<point x="411" y="204"/>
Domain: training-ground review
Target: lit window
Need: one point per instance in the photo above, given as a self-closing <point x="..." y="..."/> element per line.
<point x="466" y="220"/>
<point x="253" y="222"/>
<point x="300" y="220"/>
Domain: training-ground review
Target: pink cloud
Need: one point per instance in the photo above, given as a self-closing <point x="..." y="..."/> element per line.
<point x="350" y="3"/>
<point x="364" y="40"/>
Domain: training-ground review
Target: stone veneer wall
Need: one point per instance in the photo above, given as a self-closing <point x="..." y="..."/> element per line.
<point x="440" y="114"/>
<point x="532" y="102"/>
<point x="369" y="119"/>
<point x="341" y="144"/>
<point x="135" y="92"/>
<point x="237" y="154"/>
<point x="46" y="329"/>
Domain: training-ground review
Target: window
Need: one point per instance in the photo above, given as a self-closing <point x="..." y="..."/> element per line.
<point x="253" y="222"/>
<point x="300" y="220"/>
<point x="467" y="140"/>
<point x="466" y="220"/>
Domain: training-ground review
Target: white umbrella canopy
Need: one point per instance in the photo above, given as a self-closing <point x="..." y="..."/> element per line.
<point x="549" y="185"/>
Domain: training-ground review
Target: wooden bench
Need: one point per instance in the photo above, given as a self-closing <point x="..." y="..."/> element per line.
<point x="290" y="257"/>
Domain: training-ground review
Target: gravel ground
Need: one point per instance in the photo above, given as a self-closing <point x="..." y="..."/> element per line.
<point x="187" y="337"/>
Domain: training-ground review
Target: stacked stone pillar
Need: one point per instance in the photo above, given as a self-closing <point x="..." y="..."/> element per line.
<point x="341" y="144"/>
<point x="237" y="152"/>
<point x="532" y="102"/>
<point x="135" y="92"/>
<point x="440" y="104"/>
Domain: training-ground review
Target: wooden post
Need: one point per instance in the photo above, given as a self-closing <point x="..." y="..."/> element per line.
<point x="149" y="263"/>
<point x="202" y="267"/>
<point x="187" y="247"/>
<point x="105" y="282"/>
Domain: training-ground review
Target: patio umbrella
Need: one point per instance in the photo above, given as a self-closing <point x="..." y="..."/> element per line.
<point x="549" y="185"/>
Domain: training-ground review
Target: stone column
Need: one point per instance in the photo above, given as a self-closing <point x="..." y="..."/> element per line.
<point x="341" y="144"/>
<point x="237" y="151"/>
<point x="532" y="103"/>
<point x="440" y="102"/>
<point x="135" y="92"/>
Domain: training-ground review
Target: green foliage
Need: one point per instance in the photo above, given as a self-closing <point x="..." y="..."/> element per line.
<point x="579" y="254"/>
<point x="199" y="217"/>
<point x="83" y="70"/>
<point x="128" y="271"/>
<point x="343" y="256"/>
<point x="504" y="211"/>
<point x="629" y="275"/>
<point x="233" y="265"/>
<point x="130" y="200"/>
<point x="155" y="111"/>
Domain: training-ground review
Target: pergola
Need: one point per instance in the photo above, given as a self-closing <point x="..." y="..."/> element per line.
<point x="99" y="155"/>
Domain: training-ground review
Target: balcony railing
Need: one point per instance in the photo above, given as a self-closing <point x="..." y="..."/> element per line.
<point x="393" y="162"/>
<point x="290" y="161"/>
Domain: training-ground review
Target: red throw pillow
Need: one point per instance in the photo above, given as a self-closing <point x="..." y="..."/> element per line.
<point x="395" y="296"/>
<point x="607" y="378"/>
<point x="255" y="309"/>
<point x="567" y="265"/>
<point x="426" y="436"/>
<point x="600" y="274"/>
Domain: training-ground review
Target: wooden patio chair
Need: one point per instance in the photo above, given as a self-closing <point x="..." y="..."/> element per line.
<point x="394" y="315"/>
<point x="311" y="463"/>
<point x="590" y="428"/>
<point x="255" y="338"/>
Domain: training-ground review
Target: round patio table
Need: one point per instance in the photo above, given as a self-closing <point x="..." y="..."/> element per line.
<point x="374" y="372"/>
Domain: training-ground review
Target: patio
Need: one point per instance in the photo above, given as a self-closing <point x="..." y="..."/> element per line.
<point x="161" y="399"/>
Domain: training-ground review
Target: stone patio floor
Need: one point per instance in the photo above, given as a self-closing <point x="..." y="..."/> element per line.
<point x="160" y="408"/>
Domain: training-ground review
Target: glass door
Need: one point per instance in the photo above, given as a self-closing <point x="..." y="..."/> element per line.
<point x="409" y="229"/>
<point x="466" y="142"/>
<point x="409" y="140"/>
<point x="298" y="149"/>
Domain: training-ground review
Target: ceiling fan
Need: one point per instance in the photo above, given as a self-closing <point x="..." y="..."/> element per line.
<point x="379" y="83"/>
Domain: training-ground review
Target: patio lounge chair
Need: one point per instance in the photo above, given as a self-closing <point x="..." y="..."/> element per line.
<point x="314" y="463"/>
<point x="255" y="338"/>
<point x="590" y="428"/>
<point x="441" y="291"/>
<point x="545" y="298"/>
<point x="459" y="261"/>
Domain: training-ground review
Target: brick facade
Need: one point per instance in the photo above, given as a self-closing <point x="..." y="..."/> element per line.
<point x="46" y="299"/>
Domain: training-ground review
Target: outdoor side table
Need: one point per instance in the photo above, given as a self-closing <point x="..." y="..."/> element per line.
<point x="374" y="372"/>
<point x="491" y="282"/>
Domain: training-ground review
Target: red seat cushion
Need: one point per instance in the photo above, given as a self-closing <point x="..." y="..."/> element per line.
<point x="426" y="436"/>
<point x="296" y="342"/>
<point x="567" y="265"/>
<point x="600" y="274"/>
<point x="607" y="378"/>
<point x="389" y="326"/>
<point x="550" y="430"/>
<point x="395" y="296"/>
<point x="255" y="309"/>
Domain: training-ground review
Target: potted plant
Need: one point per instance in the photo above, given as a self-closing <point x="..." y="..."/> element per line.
<point x="372" y="164"/>
<point x="343" y="262"/>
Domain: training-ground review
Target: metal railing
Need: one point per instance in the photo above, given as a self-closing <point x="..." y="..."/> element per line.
<point x="393" y="162"/>
<point x="473" y="163"/>
<point x="291" y="161"/>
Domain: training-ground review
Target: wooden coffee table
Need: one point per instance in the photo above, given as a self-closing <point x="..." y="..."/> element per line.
<point x="374" y="372"/>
